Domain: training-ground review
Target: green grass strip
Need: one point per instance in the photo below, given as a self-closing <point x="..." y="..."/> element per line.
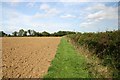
<point x="67" y="63"/>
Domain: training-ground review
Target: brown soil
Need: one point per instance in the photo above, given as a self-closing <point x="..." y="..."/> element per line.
<point x="27" y="57"/>
<point x="0" y="58"/>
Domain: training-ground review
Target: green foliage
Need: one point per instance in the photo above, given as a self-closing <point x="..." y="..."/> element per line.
<point x="25" y="33"/>
<point x="2" y="34"/>
<point x="106" y="45"/>
<point x="32" y="32"/>
<point x="22" y="33"/>
<point x="62" y="33"/>
<point x="45" y="33"/>
<point x="29" y="31"/>
<point x="15" y="33"/>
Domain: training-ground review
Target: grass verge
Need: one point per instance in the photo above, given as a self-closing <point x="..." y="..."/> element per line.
<point x="67" y="63"/>
<point x="94" y="64"/>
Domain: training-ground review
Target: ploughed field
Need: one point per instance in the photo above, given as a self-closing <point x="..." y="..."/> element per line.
<point x="27" y="57"/>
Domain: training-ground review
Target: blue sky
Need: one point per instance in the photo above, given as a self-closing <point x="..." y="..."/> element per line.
<point x="55" y="16"/>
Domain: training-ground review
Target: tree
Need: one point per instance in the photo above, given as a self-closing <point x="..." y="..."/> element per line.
<point x="38" y="34"/>
<point x="21" y="32"/>
<point x="45" y="33"/>
<point x="9" y="35"/>
<point x="29" y="31"/>
<point x="2" y="34"/>
<point x="63" y="33"/>
<point x="33" y="33"/>
<point x="25" y="33"/>
<point x="15" y="33"/>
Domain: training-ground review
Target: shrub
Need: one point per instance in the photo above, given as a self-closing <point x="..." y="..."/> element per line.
<point x="106" y="45"/>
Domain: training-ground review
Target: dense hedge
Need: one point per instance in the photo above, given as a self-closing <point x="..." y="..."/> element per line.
<point x="106" y="45"/>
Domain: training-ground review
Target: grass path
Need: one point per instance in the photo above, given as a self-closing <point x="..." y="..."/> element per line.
<point x="67" y="63"/>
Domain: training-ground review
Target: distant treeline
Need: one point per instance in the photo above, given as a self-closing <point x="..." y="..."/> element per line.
<point x="106" y="45"/>
<point x="33" y="33"/>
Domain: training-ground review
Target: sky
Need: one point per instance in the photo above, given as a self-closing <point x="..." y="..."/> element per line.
<point x="56" y="16"/>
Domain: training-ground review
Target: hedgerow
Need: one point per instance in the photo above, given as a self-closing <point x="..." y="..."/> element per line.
<point x="106" y="45"/>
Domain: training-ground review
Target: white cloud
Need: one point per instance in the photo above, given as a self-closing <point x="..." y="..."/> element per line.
<point x="61" y="0"/>
<point x="86" y="24"/>
<point x="49" y="12"/>
<point x="89" y="1"/>
<point x="13" y="4"/>
<point x="97" y="7"/>
<point x="45" y="7"/>
<point x="18" y="0"/>
<point x="52" y="27"/>
<point x="53" y="11"/>
<point x="103" y="13"/>
<point x="31" y="4"/>
<point x="14" y="0"/>
<point x="38" y="15"/>
<point x="14" y="21"/>
<point x="98" y="14"/>
<point x="17" y="20"/>
<point x="74" y="0"/>
<point x="68" y="16"/>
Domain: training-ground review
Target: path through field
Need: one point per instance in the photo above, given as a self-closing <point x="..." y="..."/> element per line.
<point x="27" y="57"/>
<point x="68" y="63"/>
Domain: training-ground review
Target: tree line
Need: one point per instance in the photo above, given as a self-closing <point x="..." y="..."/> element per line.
<point x="32" y="33"/>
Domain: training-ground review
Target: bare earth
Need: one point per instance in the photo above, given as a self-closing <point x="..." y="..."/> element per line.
<point x="0" y="57"/>
<point x="27" y="57"/>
